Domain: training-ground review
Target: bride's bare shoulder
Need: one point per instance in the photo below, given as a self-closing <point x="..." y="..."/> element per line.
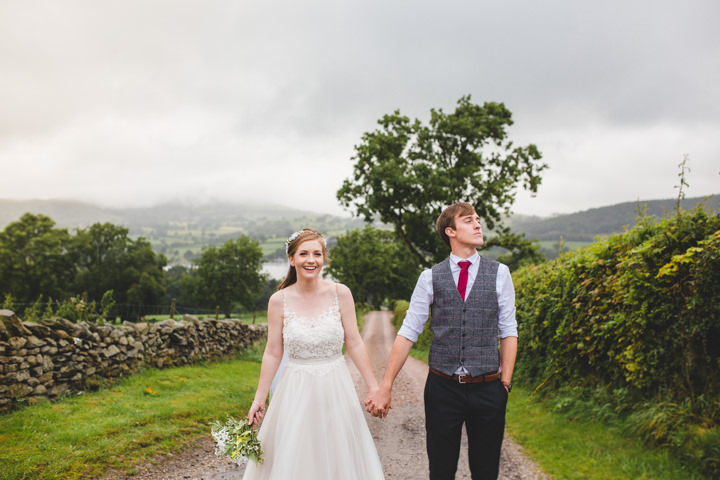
<point x="329" y="286"/>
<point x="342" y="290"/>
<point x="276" y="299"/>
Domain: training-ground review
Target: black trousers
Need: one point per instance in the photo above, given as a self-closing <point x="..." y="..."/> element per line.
<point x="481" y="407"/>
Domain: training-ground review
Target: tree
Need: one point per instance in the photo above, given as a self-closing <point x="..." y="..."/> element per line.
<point x="406" y="172"/>
<point x="108" y="259"/>
<point x="228" y="274"/>
<point x="178" y="285"/>
<point x="521" y="252"/>
<point x="374" y="265"/>
<point x="269" y="286"/>
<point x="33" y="259"/>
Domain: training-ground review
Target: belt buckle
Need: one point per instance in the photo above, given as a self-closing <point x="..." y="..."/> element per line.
<point x="460" y="380"/>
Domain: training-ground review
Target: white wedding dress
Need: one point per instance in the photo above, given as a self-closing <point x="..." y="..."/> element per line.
<point x="314" y="428"/>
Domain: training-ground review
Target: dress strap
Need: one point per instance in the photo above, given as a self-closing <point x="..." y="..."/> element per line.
<point x="337" y="303"/>
<point x="285" y="310"/>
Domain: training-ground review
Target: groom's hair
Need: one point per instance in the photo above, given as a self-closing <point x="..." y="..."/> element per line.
<point x="448" y="216"/>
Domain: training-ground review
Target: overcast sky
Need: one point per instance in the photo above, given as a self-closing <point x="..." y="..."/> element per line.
<point x="133" y="103"/>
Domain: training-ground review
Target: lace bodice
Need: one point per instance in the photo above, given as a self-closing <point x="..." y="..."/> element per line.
<point x="315" y="337"/>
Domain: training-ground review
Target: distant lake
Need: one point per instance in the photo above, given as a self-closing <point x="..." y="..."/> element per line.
<point x="276" y="269"/>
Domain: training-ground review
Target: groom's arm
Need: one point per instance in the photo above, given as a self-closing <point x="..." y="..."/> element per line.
<point x="507" y="324"/>
<point x="379" y="403"/>
<point x="508" y="352"/>
<point x="413" y="325"/>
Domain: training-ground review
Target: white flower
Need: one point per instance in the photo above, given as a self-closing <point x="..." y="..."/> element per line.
<point x="295" y="235"/>
<point x="236" y="440"/>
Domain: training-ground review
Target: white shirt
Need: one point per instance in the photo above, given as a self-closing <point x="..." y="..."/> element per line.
<point x="422" y="297"/>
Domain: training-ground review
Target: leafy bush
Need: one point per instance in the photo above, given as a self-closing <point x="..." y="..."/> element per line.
<point x="638" y="315"/>
<point x="399" y="311"/>
<point x="74" y="309"/>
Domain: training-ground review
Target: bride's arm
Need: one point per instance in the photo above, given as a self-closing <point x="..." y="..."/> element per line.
<point x="353" y="341"/>
<point x="271" y="358"/>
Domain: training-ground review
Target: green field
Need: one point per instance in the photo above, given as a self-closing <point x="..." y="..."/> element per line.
<point x="181" y="241"/>
<point x="567" y="245"/>
<point x="247" y="318"/>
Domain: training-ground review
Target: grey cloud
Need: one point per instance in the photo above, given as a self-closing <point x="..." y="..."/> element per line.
<point x="224" y="84"/>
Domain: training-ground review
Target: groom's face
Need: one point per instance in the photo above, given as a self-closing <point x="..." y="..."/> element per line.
<point x="467" y="231"/>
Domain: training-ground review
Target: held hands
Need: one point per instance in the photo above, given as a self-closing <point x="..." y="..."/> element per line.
<point x="378" y="402"/>
<point x="256" y="413"/>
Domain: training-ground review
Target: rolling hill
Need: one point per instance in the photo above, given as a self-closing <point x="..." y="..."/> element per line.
<point x="181" y="231"/>
<point x="586" y="225"/>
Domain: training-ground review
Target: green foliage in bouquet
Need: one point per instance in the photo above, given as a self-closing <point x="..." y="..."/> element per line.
<point x="236" y="440"/>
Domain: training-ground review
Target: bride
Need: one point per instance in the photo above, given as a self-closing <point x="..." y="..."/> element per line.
<point x="314" y="428"/>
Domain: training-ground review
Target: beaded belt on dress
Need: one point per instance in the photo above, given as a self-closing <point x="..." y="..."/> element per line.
<point x="306" y="361"/>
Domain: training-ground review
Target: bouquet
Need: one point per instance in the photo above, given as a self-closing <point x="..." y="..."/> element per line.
<point x="236" y="440"/>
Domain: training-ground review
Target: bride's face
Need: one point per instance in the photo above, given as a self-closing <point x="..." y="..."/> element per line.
<point x="308" y="258"/>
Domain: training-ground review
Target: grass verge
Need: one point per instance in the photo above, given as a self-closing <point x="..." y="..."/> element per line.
<point x="152" y="412"/>
<point x="568" y="448"/>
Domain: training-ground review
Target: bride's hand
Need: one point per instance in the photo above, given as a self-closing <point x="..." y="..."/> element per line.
<point x="256" y="413"/>
<point x="377" y="403"/>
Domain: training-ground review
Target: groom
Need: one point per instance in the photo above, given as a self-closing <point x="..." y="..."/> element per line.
<point x="471" y="301"/>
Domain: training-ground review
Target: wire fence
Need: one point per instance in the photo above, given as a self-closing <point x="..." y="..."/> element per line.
<point x="126" y="311"/>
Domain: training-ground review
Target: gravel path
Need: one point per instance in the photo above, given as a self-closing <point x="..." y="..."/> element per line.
<point x="400" y="438"/>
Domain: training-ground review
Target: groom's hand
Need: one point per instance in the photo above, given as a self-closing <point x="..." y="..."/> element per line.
<point x="378" y="402"/>
<point x="382" y="412"/>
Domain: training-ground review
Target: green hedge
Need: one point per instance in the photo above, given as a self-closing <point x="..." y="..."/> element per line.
<point x="399" y="310"/>
<point x="634" y="320"/>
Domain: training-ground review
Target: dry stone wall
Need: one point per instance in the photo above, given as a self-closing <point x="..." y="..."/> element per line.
<point x="55" y="356"/>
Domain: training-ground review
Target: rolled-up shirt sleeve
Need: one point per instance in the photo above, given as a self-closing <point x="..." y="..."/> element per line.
<point x="419" y="309"/>
<point x="507" y="324"/>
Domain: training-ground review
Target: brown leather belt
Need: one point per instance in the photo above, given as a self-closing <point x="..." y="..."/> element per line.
<point x="488" y="377"/>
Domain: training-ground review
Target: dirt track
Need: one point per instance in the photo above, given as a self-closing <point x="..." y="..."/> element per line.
<point x="400" y="438"/>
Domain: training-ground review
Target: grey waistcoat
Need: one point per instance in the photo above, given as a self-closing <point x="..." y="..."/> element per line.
<point x="466" y="333"/>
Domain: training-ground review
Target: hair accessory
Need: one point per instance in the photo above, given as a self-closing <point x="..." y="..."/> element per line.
<point x="295" y="235"/>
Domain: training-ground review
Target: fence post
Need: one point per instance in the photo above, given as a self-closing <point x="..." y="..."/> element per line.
<point x="217" y="311"/>
<point x="84" y="314"/>
<point x="172" y="309"/>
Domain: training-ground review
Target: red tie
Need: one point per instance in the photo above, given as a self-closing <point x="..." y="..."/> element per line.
<point x="462" y="280"/>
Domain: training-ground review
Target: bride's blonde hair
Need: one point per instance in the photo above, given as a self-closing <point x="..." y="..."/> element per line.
<point x="291" y="246"/>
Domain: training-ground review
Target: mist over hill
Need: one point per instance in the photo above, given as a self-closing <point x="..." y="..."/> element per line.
<point x="66" y="213"/>
<point x="72" y="214"/>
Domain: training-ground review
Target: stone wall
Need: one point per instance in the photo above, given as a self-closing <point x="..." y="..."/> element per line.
<point x="55" y="356"/>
